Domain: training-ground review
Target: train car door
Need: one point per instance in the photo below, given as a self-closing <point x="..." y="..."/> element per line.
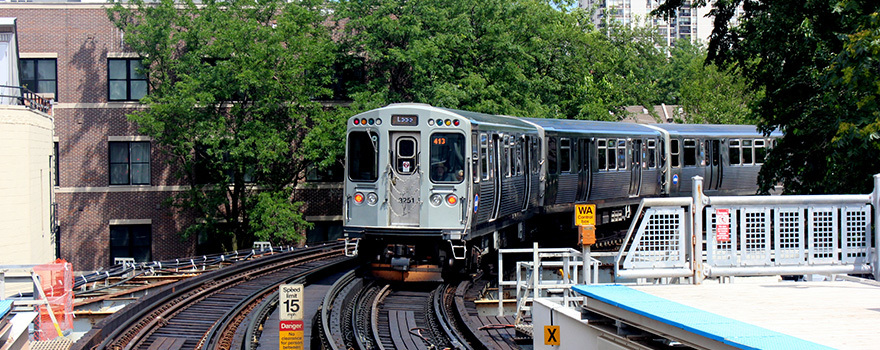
<point x="496" y="149"/>
<point x="584" y="169"/>
<point x="713" y="164"/>
<point x="405" y="185"/>
<point x="635" y="151"/>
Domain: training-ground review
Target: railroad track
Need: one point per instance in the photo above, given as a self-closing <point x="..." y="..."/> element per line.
<point x="206" y="312"/>
<point x="365" y="314"/>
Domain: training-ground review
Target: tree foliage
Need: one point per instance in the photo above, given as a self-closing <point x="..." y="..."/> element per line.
<point x="816" y="63"/>
<point x="231" y="102"/>
<point x="525" y="57"/>
<point x="705" y="92"/>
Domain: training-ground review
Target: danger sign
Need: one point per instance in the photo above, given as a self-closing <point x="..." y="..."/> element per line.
<point x="584" y="214"/>
<point x="722" y="225"/>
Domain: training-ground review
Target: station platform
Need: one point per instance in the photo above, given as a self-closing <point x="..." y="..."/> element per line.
<point x="741" y="315"/>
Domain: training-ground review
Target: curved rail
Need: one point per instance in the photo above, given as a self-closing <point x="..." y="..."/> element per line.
<point x="170" y="315"/>
<point x="369" y="315"/>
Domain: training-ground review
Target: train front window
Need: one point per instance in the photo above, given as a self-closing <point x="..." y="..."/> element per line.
<point x="447" y="157"/>
<point x="362" y="154"/>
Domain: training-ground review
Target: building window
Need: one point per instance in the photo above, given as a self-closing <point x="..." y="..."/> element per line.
<point x="39" y="75"/>
<point x="126" y="80"/>
<point x="129" y="163"/>
<point x="130" y="241"/>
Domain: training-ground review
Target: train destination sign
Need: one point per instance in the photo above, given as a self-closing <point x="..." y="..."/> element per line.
<point x="405" y="120"/>
<point x="585" y="214"/>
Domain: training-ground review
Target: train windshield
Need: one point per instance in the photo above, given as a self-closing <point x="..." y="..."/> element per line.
<point x="447" y="157"/>
<point x="362" y="154"/>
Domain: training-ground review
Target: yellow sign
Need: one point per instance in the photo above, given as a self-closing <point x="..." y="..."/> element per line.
<point x="584" y="214"/>
<point x="551" y="335"/>
<point x="290" y="335"/>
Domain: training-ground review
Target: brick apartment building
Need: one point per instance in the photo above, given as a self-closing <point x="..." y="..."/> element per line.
<point x="111" y="181"/>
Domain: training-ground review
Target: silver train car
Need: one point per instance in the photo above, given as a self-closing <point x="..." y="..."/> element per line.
<point x="428" y="191"/>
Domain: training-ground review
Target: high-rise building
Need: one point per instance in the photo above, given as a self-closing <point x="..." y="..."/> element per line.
<point x="689" y="23"/>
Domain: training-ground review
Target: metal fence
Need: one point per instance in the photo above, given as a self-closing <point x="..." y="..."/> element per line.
<point x="19" y="95"/>
<point x="751" y="236"/>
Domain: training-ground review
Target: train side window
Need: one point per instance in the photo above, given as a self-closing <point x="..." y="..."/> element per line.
<point x="747" y="152"/>
<point x="621" y="154"/>
<point x="362" y="156"/>
<point x="484" y="155"/>
<point x="760" y="151"/>
<point x="551" y="155"/>
<point x="536" y="150"/>
<point x="690" y="152"/>
<point x="519" y="155"/>
<point x="508" y="156"/>
<point x="565" y="155"/>
<point x="475" y="158"/>
<point x="612" y="154"/>
<point x="447" y="157"/>
<point x="733" y="151"/>
<point x="675" y="153"/>
<point x="602" y="151"/>
<point x="652" y="154"/>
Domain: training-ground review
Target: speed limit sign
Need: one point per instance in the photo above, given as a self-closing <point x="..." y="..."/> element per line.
<point x="290" y="300"/>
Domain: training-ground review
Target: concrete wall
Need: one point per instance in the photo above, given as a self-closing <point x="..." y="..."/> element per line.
<point x="26" y="163"/>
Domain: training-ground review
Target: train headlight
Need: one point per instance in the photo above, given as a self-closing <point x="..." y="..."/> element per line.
<point x="451" y="199"/>
<point x="436" y="199"/>
<point x="372" y="198"/>
<point x="456" y="122"/>
<point x="430" y="122"/>
<point x="358" y="198"/>
<point x="356" y="121"/>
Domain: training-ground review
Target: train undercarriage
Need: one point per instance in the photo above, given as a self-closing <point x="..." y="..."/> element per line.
<point x="428" y="258"/>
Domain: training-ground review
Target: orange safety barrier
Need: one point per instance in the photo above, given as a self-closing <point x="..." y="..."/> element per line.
<point x="56" y="281"/>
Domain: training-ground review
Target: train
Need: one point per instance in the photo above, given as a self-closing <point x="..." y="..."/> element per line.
<point x="429" y="191"/>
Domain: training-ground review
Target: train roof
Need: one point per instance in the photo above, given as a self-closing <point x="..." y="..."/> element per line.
<point x="483" y="118"/>
<point x="573" y="125"/>
<point x="712" y="129"/>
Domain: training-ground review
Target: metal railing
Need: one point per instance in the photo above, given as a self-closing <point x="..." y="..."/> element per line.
<point x="550" y="274"/>
<point x="751" y="236"/>
<point x="21" y="96"/>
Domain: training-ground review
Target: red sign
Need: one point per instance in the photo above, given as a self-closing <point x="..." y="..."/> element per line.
<point x="722" y="225"/>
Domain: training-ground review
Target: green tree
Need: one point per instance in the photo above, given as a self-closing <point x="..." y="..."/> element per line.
<point x="706" y="93"/>
<point x="525" y="57"/>
<point x="815" y="62"/>
<point x="231" y="104"/>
